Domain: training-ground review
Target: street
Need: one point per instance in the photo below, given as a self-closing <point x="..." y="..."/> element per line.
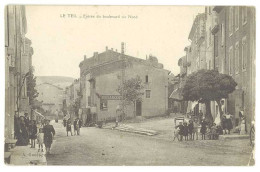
<point x="97" y="146"/>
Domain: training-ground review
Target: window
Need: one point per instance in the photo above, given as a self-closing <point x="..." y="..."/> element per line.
<point x="147" y="93"/>
<point x="244" y="15"/>
<point x="244" y="53"/>
<point x="103" y="104"/>
<point x="89" y="101"/>
<point x="236" y="18"/>
<point x="230" y="60"/>
<point x="146" y="78"/>
<point x="237" y="58"/>
<point x="231" y="20"/>
<point x="222" y="34"/>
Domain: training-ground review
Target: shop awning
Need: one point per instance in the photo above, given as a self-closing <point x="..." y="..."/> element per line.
<point x="176" y="95"/>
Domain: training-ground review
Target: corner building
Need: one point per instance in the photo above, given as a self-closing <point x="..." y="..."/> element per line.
<point x="101" y="75"/>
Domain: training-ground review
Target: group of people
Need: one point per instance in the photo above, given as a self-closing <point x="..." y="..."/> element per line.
<point x="76" y="124"/>
<point x="26" y="132"/>
<point x="188" y="130"/>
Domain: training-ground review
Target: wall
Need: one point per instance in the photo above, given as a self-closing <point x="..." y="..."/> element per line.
<point x="50" y="94"/>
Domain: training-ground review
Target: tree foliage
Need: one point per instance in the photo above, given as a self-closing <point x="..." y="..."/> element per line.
<point x="208" y="85"/>
<point x="131" y="90"/>
<point x="32" y="93"/>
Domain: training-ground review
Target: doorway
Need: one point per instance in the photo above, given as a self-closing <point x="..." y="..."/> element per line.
<point x="138" y="108"/>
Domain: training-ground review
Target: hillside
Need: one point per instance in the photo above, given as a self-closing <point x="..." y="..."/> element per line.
<point x="60" y="81"/>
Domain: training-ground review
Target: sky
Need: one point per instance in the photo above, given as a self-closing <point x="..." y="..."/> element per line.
<point x="60" y="41"/>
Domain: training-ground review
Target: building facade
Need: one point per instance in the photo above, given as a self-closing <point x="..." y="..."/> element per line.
<point x="236" y="30"/>
<point x="103" y="73"/>
<point x="18" y="57"/>
<point x="230" y="49"/>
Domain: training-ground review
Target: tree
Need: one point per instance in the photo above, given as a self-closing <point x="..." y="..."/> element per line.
<point x="76" y="106"/>
<point x="32" y="93"/>
<point x="131" y="91"/>
<point x="208" y="85"/>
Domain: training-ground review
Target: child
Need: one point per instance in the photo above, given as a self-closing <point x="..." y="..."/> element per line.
<point x="40" y="139"/>
<point x="214" y="133"/>
<point x="32" y="132"/>
<point x="185" y="131"/>
<point x="176" y="133"/>
<point x="180" y="128"/>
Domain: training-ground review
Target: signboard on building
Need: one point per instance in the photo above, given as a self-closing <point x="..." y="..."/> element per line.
<point x="111" y="97"/>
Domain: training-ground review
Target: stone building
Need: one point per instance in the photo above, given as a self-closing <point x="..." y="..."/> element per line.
<point x="235" y="48"/>
<point x="18" y="57"/>
<point x="195" y="58"/>
<point x="101" y="75"/>
<point x="229" y="47"/>
<point x="70" y="97"/>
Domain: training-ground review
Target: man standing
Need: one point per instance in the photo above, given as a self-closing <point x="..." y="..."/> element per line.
<point x="200" y="116"/>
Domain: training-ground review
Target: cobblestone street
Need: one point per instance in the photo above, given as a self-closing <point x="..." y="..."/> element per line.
<point x="109" y="147"/>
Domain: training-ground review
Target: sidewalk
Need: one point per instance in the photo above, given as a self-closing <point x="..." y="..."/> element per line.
<point x="161" y="127"/>
<point x="24" y="155"/>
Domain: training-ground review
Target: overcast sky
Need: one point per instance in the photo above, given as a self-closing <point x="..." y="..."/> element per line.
<point x="60" y="43"/>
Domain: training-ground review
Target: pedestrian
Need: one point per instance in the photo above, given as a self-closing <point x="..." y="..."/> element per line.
<point x="77" y="126"/>
<point x="200" y="116"/>
<point x="203" y="129"/>
<point x="22" y="133"/>
<point x="185" y="131"/>
<point x="229" y="122"/>
<point x="49" y="132"/>
<point x="191" y="129"/>
<point x="26" y="120"/>
<point x="40" y="138"/>
<point x="64" y="122"/>
<point x="180" y="128"/>
<point x="68" y="127"/>
<point x="213" y="132"/>
<point x="176" y="133"/>
<point x="196" y="129"/>
<point x="16" y="124"/>
<point x="32" y="132"/>
<point x="224" y="124"/>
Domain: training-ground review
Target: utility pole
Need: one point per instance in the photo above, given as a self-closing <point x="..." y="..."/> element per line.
<point x="123" y="74"/>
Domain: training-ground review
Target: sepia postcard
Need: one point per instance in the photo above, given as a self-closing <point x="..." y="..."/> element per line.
<point x="129" y="85"/>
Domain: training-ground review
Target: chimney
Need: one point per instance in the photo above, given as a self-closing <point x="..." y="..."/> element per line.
<point x="85" y="57"/>
<point x="106" y="48"/>
<point x="122" y="48"/>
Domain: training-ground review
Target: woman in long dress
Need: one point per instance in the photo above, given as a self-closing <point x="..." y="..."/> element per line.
<point x="49" y="132"/>
<point x="22" y="132"/>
